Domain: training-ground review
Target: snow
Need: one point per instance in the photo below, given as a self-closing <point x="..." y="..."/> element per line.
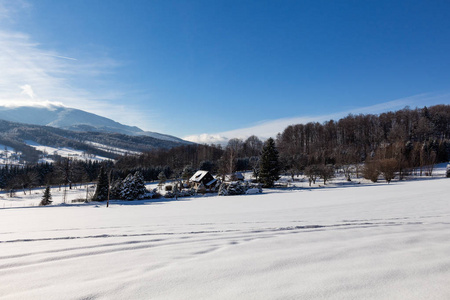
<point x="115" y="150"/>
<point x="342" y="241"/>
<point x="8" y="156"/>
<point x="211" y="182"/>
<point x="253" y="191"/>
<point x="197" y="177"/>
<point x="63" y="151"/>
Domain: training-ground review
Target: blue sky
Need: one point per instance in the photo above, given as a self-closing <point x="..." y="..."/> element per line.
<point x="222" y="68"/>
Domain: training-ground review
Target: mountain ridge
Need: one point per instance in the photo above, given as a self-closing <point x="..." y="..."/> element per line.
<point x="75" y="120"/>
<point x="18" y="136"/>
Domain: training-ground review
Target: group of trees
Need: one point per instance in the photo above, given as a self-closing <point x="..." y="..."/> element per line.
<point x="412" y="140"/>
<point x="408" y="140"/>
<point x="64" y="172"/>
<point x="183" y="161"/>
<point x="401" y="142"/>
<point x="130" y="188"/>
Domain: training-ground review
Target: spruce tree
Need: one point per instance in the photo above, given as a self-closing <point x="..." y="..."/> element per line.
<point x="46" y="198"/>
<point x="127" y="192"/>
<point x="116" y="188"/>
<point x="140" y="188"/>
<point x="101" y="192"/>
<point x="269" y="168"/>
<point x="133" y="187"/>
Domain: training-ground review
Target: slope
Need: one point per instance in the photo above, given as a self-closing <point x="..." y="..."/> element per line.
<point x="18" y="136"/>
<point x="75" y="120"/>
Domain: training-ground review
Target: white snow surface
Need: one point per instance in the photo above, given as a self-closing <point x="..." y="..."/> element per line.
<point x="64" y="152"/>
<point x="344" y="241"/>
<point x="8" y="156"/>
<point x="115" y="150"/>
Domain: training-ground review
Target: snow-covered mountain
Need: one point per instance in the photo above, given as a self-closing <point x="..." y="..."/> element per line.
<point x="75" y="120"/>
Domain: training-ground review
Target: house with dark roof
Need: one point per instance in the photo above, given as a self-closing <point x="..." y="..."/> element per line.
<point x="203" y="178"/>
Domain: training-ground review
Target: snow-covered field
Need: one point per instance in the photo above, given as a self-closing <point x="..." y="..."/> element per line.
<point x="345" y="241"/>
<point x="8" y="156"/>
<point x="115" y="150"/>
<point x="62" y="151"/>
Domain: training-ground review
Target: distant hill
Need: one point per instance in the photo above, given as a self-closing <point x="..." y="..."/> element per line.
<point x="75" y="120"/>
<point x="105" y="144"/>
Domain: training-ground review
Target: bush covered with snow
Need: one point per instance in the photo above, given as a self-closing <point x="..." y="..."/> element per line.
<point x="238" y="188"/>
<point x="182" y="193"/>
<point x="223" y="189"/>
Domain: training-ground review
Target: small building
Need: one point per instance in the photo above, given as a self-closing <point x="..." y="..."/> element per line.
<point x="237" y="176"/>
<point x="203" y="178"/>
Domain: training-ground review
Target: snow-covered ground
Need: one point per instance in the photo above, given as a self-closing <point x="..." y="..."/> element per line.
<point x="9" y="156"/>
<point x="115" y="150"/>
<point x="62" y="151"/>
<point x="344" y="241"/>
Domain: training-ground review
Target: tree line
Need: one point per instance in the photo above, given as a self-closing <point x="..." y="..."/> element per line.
<point x="64" y="172"/>
<point x="410" y="138"/>
<point x="401" y="142"/>
<point x="407" y="140"/>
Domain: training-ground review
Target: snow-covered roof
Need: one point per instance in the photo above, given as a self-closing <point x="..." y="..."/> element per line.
<point x="198" y="176"/>
<point x="211" y="182"/>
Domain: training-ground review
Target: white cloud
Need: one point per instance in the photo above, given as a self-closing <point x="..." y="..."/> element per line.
<point x="27" y="90"/>
<point x="33" y="75"/>
<point x="271" y="128"/>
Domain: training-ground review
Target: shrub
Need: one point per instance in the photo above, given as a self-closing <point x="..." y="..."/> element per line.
<point x="237" y="188"/>
<point x="371" y="171"/>
<point x="387" y="168"/>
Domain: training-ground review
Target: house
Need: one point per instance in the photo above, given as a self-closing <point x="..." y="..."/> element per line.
<point x="203" y="178"/>
<point x="237" y="176"/>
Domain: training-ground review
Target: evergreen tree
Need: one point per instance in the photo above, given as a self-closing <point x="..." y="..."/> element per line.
<point x="140" y="188"/>
<point x="269" y="167"/>
<point x="133" y="187"/>
<point x="101" y="193"/>
<point x="116" y="188"/>
<point x="127" y="188"/>
<point x="46" y="198"/>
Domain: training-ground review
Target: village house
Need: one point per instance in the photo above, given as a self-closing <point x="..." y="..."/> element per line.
<point x="237" y="176"/>
<point x="202" y="178"/>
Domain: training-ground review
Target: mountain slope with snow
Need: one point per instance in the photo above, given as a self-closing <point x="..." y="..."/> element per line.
<point x="24" y="137"/>
<point x="75" y="120"/>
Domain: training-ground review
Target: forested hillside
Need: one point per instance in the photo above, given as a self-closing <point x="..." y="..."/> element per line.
<point x="401" y="142"/>
<point x="412" y="137"/>
<point x="15" y="135"/>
